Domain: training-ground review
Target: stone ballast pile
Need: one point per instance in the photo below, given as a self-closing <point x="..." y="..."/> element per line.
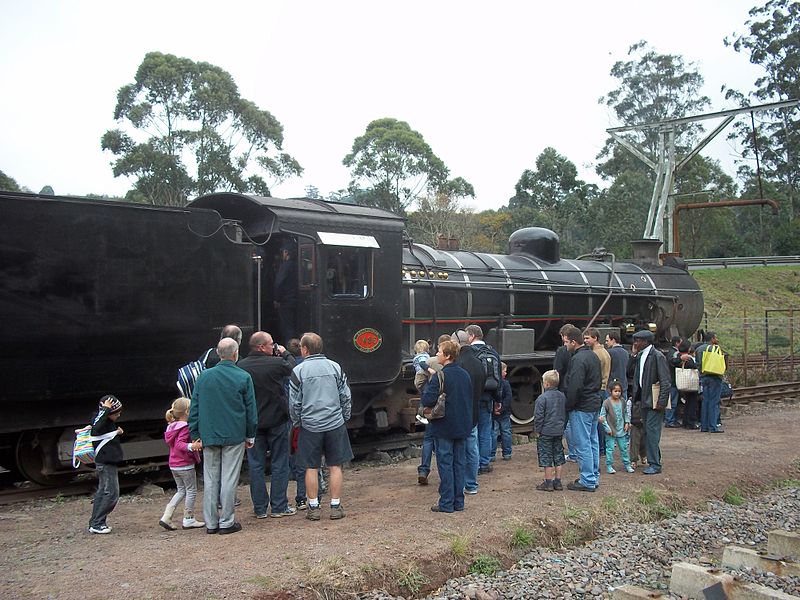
<point x="639" y="554"/>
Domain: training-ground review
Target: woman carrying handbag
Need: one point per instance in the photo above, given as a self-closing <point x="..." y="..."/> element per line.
<point x="691" y="383"/>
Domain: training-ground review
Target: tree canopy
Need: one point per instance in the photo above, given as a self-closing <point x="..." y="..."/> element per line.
<point x="396" y="166"/>
<point x="197" y="134"/>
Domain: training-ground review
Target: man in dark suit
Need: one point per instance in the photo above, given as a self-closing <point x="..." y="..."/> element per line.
<point x="651" y="369"/>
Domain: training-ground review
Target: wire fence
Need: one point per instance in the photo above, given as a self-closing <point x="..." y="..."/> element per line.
<point x="761" y="347"/>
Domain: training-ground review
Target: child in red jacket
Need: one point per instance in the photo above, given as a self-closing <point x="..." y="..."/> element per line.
<point x="183" y="455"/>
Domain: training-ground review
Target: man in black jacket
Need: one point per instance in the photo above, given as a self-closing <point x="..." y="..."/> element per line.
<point x="269" y="365"/>
<point x="583" y="407"/>
<point x="468" y="361"/>
<point x="650" y="370"/>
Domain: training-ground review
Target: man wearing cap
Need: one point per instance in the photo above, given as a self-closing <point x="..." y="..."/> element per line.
<point x="285" y="293"/>
<point x="650" y="370"/>
<point x="224" y="418"/>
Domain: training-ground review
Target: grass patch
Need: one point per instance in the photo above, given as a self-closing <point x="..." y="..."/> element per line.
<point x="484" y="564"/>
<point x="647" y="497"/>
<point x="733" y="496"/>
<point x="459" y="545"/>
<point x="572" y="513"/>
<point x="263" y="581"/>
<point x="412" y="580"/>
<point x="522" y="537"/>
<point x="787" y="483"/>
<point x="610" y="504"/>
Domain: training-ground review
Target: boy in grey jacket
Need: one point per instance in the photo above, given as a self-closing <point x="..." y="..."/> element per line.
<point x="549" y="420"/>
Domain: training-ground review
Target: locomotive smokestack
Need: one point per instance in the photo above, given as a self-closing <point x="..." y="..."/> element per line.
<point x="646" y="251"/>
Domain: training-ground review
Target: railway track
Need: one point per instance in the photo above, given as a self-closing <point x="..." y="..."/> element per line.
<point x="764" y="393"/>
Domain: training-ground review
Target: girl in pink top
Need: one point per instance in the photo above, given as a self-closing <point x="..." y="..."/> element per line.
<point x="183" y="455"/>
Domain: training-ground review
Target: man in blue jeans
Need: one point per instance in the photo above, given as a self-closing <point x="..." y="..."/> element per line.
<point x="489" y="359"/>
<point x="712" y="388"/>
<point x="583" y="407"/>
<point x="269" y="364"/>
<point x="472" y="365"/>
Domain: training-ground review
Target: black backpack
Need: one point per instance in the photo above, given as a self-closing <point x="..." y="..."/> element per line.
<point x="491" y="366"/>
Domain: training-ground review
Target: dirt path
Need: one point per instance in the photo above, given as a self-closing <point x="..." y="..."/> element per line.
<point x="45" y="551"/>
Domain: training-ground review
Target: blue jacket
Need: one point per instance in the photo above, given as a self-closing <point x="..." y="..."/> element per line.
<point x="457" y="421"/>
<point x="549" y="413"/>
<point x="223" y="410"/>
<point x="319" y="397"/>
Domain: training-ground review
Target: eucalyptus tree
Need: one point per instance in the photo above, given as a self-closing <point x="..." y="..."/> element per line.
<point x="193" y="133"/>
<point x="392" y="165"/>
<point x="551" y="195"/>
<point x="772" y="39"/>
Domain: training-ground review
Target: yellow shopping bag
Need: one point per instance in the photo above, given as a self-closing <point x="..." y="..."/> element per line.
<point x="713" y="361"/>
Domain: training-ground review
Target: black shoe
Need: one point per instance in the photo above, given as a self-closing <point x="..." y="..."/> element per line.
<point x="486" y="469"/>
<point x="546" y="486"/>
<point x="718" y="431"/>
<point x="577" y="486"/>
<point x="435" y="508"/>
<point x="422" y="479"/>
<point x="557" y="485"/>
<point x="232" y="529"/>
<point x="215" y="530"/>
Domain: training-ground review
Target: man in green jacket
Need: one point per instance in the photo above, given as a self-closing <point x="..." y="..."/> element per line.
<point x="223" y="417"/>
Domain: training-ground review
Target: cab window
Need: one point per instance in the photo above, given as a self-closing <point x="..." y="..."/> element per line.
<point x="348" y="272"/>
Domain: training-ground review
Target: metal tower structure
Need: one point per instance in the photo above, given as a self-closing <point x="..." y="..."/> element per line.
<point x="665" y="164"/>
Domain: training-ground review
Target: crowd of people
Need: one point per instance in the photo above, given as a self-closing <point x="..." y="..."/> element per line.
<point x="292" y="404"/>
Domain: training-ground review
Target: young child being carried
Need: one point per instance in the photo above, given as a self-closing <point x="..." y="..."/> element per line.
<point x="421" y="358"/>
<point x="549" y="420"/>
<point x="616" y="421"/>
<point x="183" y="455"/>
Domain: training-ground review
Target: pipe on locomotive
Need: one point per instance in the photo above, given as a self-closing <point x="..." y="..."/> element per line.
<point x="599" y="253"/>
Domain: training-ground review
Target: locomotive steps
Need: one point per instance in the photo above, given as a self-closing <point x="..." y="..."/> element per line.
<point x="695" y="581"/>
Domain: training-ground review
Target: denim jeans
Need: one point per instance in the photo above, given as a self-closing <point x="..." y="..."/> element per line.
<point x="472" y="461"/>
<point x="424" y="468"/>
<point x="671" y="415"/>
<point x="584" y="436"/>
<point x="221" y="468"/>
<point x="570" y="444"/>
<point x="709" y="409"/>
<point x="451" y="463"/>
<point x="653" y="422"/>
<point x="485" y="433"/>
<point x="501" y="426"/>
<point x="107" y="494"/>
<point x="276" y="440"/>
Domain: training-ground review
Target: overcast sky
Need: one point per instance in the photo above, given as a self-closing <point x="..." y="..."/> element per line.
<point x="488" y="85"/>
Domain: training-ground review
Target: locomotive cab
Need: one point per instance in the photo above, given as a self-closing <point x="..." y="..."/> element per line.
<point x="347" y="289"/>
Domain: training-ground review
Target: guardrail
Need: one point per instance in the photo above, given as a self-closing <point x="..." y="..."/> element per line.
<point x="736" y="262"/>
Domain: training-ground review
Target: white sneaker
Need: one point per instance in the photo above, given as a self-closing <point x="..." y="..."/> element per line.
<point x="290" y="510"/>
<point x="422" y="419"/>
<point x="101" y="529"/>
<point x="192" y="523"/>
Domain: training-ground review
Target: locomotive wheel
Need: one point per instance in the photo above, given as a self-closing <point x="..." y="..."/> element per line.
<point x="35" y="455"/>
<point x="526" y="385"/>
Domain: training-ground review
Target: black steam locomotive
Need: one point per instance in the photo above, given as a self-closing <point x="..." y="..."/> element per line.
<point x="109" y="297"/>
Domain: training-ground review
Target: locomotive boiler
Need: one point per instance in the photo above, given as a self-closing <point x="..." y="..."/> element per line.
<point x="110" y="297"/>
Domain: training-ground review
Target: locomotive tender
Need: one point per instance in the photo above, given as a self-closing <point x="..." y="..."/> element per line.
<point x="110" y="297"/>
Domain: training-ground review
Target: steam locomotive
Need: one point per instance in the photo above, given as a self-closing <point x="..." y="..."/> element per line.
<point x="109" y="297"/>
